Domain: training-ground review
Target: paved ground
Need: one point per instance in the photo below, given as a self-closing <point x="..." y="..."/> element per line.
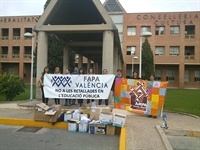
<point x="141" y="133"/>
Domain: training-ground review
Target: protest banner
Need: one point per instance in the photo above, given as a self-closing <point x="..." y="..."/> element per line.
<point x="140" y="96"/>
<point x="77" y="86"/>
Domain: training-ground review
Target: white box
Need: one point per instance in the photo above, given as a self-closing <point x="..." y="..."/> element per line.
<point x="76" y="116"/>
<point x="67" y="117"/>
<point x="83" y="127"/>
<point x="119" y="120"/>
<point x="72" y="127"/>
<point x="106" y="117"/>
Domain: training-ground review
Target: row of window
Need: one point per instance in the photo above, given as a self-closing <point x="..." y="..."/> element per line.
<point x="15" y="52"/>
<point x="15" y="31"/>
<point x="160" y="50"/>
<point x="171" y="75"/>
<point x="160" y="30"/>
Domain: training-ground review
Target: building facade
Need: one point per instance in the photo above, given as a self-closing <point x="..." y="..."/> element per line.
<point x="15" y="49"/>
<point x="175" y="43"/>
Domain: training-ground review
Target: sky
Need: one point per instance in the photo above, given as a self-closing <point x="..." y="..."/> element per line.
<point x="35" y="7"/>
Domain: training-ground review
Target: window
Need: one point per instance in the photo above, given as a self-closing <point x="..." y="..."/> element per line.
<point x="159" y="50"/>
<point x="131" y="30"/>
<point x="130" y="50"/>
<point x="174" y="50"/>
<point x="158" y="74"/>
<point x="197" y="76"/>
<point x="15" y="52"/>
<point x="187" y="76"/>
<point x="16" y="33"/>
<point x="170" y="75"/>
<point x="145" y="29"/>
<point x="4" y="33"/>
<point x="189" y="32"/>
<point x="189" y="52"/>
<point x="174" y="30"/>
<point x="4" y="52"/>
<point x="28" y="30"/>
<point x="27" y="52"/>
<point x="160" y="30"/>
<point x="11" y="70"/>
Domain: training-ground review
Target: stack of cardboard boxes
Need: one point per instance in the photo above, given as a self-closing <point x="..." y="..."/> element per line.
<point x="101" y="120"/>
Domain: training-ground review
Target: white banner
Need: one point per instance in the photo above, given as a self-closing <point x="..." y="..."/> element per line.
<point x="77" y="86"/>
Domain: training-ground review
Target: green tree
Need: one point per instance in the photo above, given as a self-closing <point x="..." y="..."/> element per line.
<point x="147" y="60"/>
<point x="11" y="86"/>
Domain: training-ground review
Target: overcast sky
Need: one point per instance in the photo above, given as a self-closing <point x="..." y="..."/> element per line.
<point x="35" y="7"/>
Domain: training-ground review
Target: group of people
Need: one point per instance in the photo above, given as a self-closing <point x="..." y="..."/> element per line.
<point x="77" y="71"/>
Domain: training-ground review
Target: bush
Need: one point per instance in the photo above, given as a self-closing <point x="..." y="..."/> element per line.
<point x="11" y="86"/>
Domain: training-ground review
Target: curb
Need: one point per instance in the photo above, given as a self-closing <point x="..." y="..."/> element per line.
<point x="122" y="140"/>
<point x="32" y="123"/>
<point x="164" y="138"/>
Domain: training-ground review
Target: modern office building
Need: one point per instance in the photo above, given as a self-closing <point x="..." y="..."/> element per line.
<point x="175" y="43"/>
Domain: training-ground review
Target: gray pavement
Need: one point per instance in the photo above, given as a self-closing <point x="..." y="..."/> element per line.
<point x="141" y="131"/>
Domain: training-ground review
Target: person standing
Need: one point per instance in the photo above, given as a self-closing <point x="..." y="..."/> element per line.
<point x="104" y="72"/>
<point x="80" y="101"/>
<point x="90" y="72"/>
<point x="41" y="84"/>
<point x="75" y="72"/>
<point x="135" y="75"/>
<point x="57" y="71"/>
<point x="67" y="101"/>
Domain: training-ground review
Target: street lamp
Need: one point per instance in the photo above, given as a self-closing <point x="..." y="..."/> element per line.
<point x="145" y="34"/>
<point x="30" y="35"/>
<point x="134" y="57"/>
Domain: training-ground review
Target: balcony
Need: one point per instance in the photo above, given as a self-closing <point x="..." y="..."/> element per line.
<point x="189" y="56"/>
<point x="4" y="55"/>
<point x="15" y="55"/>
<point x="189" y="36"/>
<point x="16" y="37"/>
<point x="27" y="56"/>
<point x="4" y="37"/>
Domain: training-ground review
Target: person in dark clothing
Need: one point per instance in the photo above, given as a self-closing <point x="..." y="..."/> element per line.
<point x="135" y="75"/>
<point x="41" y="83"/>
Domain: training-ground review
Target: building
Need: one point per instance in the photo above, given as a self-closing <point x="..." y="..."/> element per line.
<point x="175" y="43"/>
<point x="15" y="49"/>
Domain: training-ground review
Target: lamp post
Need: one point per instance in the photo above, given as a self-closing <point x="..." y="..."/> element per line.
<point x="145" y="34"/>
<point x="30" y="35"/>
<point x="134" y="57"/>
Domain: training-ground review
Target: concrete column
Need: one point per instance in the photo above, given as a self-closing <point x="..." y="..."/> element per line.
<point x="88" y="63"/>
<point x="80" y="61"/>
<point x="116" y="60"/>
<point x="108" y="50"/>
<point x="181" y="75"/>
<point x="65" y="58"/>
<point x="42" y="55"/>
<point x="97" y="71"/>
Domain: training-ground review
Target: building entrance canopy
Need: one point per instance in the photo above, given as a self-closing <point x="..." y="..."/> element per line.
<point x="82" y="26"/>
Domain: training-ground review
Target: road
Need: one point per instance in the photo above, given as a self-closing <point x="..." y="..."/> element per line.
<point x="54" y="139"/>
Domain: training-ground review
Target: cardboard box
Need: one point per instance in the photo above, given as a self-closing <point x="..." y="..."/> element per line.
<point x="67" y="117"/>
<point x="97" y="128"/>
<point x="110" y="129"/>
<point x="95" y="112"/>
<point x="106" y="117"/>
<point x="43" y="106"/>
<point x="83" y="127"/>
<point x="72" y="127"/>
<point x="119" y="120"/>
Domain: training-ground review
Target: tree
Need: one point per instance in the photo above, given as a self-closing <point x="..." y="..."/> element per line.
<point x="147" y="60"/>
<point x="11" y="86"/>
